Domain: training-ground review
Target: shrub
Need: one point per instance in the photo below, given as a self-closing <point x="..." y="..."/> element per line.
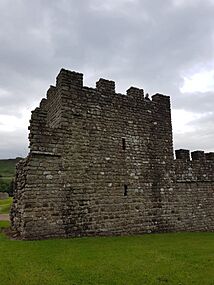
<point x="6" y="186"/>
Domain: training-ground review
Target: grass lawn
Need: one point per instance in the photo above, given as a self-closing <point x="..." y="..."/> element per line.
<point x="4" y="225"/>
<point x="5" y="205"/>
<point x="181" y="258"/>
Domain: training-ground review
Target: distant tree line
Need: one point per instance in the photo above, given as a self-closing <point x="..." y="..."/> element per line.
<point x="7" y="171"/>
<point x="6" y="186"/>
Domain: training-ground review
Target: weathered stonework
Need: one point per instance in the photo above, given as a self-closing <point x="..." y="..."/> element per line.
<point x="102" y="163"/>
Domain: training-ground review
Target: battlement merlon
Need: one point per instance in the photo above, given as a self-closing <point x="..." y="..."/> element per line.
<point x="209" y="156"/>
<point x="197" y="169"/>
<point x="67" y="79"/>
<point x="135" y="92"/>
<point x="162" y="100"/>
<point x="198" y="155"/>
<point x="183" y="154"/>
<point x="105" y="86"/>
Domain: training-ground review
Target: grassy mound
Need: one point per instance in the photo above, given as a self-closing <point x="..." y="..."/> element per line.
<point x="181" y="258"/>
<point x="4" y="225"/>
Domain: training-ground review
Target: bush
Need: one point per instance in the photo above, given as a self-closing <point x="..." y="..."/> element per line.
<point x="6" y="186"/>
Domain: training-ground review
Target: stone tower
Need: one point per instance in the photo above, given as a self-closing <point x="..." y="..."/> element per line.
<point x="101" y="163"/>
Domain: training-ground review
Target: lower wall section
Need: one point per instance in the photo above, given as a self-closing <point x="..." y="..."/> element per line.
<point x="193" y="206"/>
<point x="36" y="211"/>
<point x="47" y="203"/>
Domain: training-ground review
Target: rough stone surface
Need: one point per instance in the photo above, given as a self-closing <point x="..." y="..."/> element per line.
<point x="102" y="163"/>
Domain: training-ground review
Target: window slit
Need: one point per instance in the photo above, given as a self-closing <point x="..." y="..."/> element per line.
<point x="125" y="190"/>
<point x="123" y="143"/>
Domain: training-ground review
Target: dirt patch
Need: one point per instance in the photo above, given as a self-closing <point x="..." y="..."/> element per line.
<point x="4" y="217"/>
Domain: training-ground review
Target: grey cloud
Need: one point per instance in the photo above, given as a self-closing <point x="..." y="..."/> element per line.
<point x="197" y="102"/>
<point x="201" y="138"/>
<point x="13" y="144"/>
<point x="150" y="44"/>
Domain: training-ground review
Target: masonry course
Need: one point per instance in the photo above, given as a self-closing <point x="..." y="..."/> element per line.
<point x="102" y="163"/>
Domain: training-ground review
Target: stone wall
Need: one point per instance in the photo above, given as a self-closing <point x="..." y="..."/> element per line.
<point x="101" y="163"/>
<point x="193" y="197"/>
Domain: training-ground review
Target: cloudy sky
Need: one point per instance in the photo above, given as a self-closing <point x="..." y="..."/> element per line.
<point x="164" y="46"/>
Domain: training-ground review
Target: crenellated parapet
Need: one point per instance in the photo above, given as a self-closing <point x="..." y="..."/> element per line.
<point x="69" y="99"/>
<point x="69" y="80"/>
<point x="199" y="168"/>
<point x="198" y="155"/>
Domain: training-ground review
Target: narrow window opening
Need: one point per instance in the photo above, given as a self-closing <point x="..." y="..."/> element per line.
<point x="123" y="143"/>
<point x="125" y="190"/>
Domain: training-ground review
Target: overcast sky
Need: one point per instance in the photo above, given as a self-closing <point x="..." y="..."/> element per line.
<point x="164" y="46"/>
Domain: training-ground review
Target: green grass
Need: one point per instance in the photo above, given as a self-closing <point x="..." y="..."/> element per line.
<point x="5" y="205"/>
<point x="181" y="258"/>
<point x="173" y="259"/>
<point x="4" y="225"/>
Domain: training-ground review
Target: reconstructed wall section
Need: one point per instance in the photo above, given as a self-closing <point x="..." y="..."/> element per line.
<point x="102" y="163"/>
